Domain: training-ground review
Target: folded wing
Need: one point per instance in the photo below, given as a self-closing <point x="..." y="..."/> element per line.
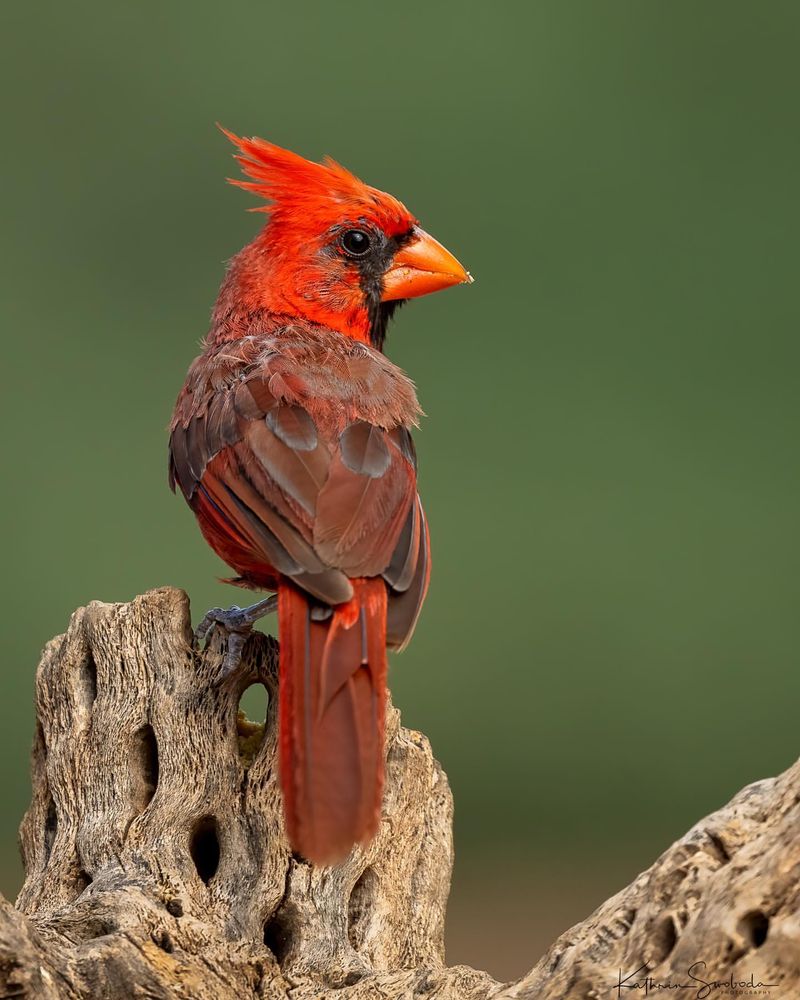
<point x="279" y="491"/>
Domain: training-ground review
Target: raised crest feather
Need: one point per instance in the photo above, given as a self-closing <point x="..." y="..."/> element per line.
<point x="294" y="185"/>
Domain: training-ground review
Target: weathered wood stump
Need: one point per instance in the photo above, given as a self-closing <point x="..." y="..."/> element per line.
<point x="157" y="866"/>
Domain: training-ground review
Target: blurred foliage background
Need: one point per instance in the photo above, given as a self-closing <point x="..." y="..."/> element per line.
<point x="609" y="460"/>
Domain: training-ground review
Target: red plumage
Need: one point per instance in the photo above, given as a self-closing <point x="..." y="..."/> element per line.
<point x="291" y="442"/>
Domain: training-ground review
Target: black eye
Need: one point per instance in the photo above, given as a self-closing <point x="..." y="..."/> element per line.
<point x="356" y="242"/>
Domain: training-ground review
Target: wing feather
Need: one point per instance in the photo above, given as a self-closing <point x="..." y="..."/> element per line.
<point x="300" y="473"/>
<point x="360" y="515"/>
<point x="404" y="608"/>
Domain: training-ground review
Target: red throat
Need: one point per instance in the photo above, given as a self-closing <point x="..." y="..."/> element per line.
<point x="262" y="280"/>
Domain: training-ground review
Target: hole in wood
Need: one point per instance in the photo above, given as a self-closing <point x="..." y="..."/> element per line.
<point x="204" y="847"/>
<point x="277" y="937"/>
<point x="251" y="721"/>
<point x="359" y="908"/>
<point x="82" y="882"/>
<point x="754" y="928"/>
<point x="88" y="681"/>
<point x="665" y="937"/>
<point x="163" y="941"/>
<point x="144" y="768"/>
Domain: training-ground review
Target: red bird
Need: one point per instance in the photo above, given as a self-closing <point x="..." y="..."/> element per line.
<point x="291" y="443"/>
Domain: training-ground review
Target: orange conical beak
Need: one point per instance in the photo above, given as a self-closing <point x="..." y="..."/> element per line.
<point x="422" y="266"/>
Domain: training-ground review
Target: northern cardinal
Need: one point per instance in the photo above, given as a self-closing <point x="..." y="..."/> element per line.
<point x="291" y="443"/>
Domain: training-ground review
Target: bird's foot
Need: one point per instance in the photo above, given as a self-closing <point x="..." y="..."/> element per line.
<point x="237" y="623"/>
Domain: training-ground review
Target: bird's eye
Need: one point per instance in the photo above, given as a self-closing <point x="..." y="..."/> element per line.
<point x="356" y="242"/>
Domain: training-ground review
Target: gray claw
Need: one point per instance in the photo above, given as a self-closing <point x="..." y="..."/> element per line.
<point x="237" y="623"/>
<point x="233" y="654"/>
<point x="209" y="620"/>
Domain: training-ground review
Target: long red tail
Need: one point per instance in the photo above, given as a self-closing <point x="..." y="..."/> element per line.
<point x="332" y="711"/>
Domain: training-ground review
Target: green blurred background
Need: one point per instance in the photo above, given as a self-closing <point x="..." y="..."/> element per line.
<point x="609" y="461"/>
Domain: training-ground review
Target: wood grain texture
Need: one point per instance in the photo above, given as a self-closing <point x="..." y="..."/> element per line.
<point x="157" y="864"/>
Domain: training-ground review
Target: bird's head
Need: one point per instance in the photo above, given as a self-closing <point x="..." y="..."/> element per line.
<point x="334" y="251"/>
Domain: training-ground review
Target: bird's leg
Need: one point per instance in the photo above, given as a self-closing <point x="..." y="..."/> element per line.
<point x="238" y="624"/>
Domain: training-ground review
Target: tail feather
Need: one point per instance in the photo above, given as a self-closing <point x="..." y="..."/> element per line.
<point x="332" y="711"/>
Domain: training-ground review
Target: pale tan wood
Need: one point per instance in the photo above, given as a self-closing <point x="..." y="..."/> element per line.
<point x="156" y="863"/>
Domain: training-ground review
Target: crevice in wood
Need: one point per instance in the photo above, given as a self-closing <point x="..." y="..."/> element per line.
<point x="359" y="909"/>
<point x="50" y="824"/>
<point x="718" y="847"/>
<point x="88" y="681"/>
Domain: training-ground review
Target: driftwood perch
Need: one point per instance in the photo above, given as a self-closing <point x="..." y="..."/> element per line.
<point x="157" y="865"/>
